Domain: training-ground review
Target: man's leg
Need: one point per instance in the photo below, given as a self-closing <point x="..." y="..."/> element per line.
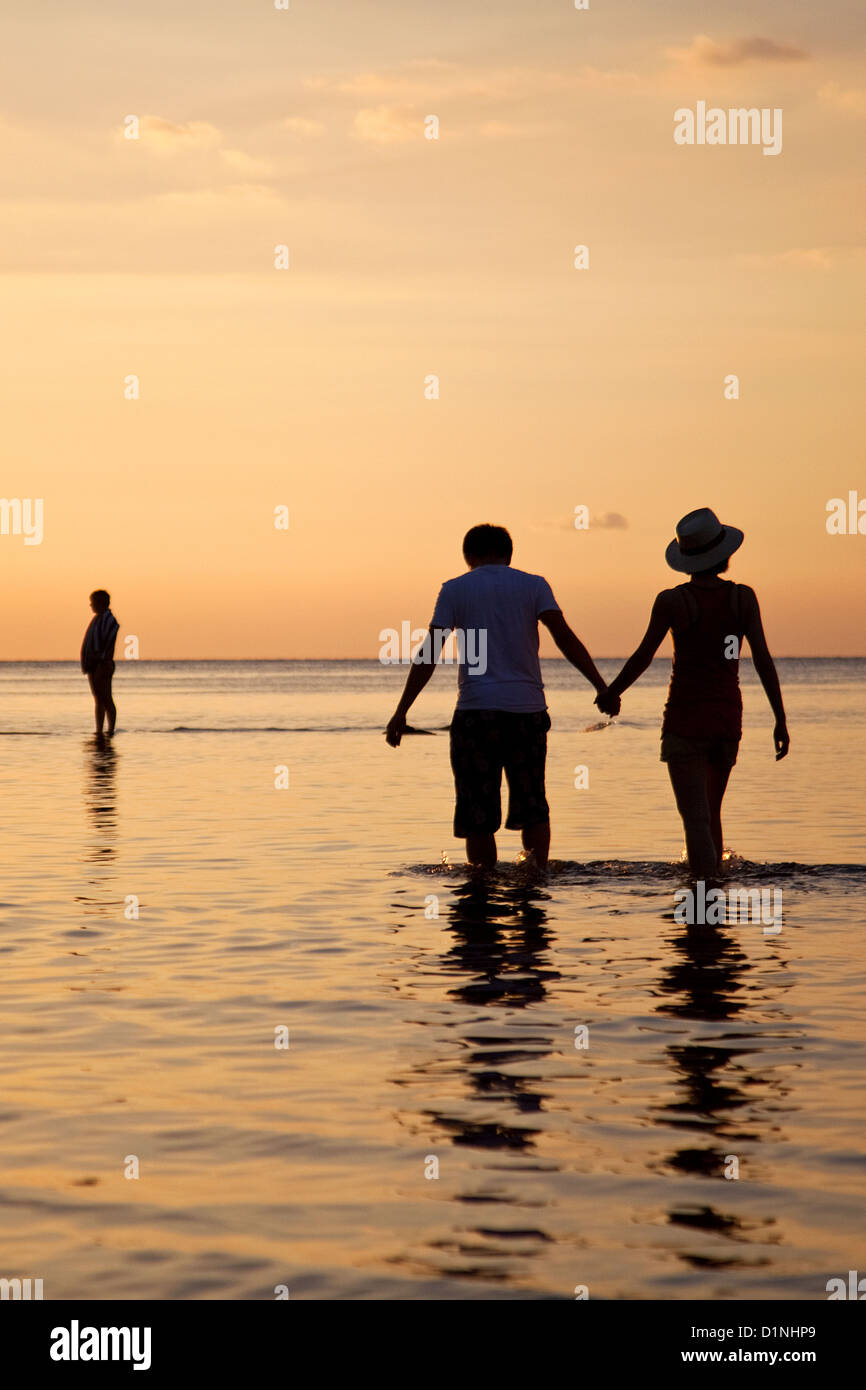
<point x="101" y="684"/>
<point x="689" y="781"/>
<point x="537" y="839"/>
<point x="477" y="765"/>
<point x="99" y="707"/>
<point x="525" y="760"/>
<point x="110" y="707"/>
<point x="481" y="851"/>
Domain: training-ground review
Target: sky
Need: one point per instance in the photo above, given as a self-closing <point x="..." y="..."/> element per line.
<point x="409" y="258"/>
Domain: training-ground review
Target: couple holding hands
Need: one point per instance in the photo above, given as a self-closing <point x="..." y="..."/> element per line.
<point x="501" y="720"/>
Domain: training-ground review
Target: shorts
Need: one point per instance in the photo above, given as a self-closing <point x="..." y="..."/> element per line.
<point x="484" y="744"/>
<point x="715" y="750"/>
<point x="101" y="677"/>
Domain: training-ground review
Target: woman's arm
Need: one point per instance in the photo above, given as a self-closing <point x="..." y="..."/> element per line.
<point x="766" y="669"/>
<point x="659" y="624"/>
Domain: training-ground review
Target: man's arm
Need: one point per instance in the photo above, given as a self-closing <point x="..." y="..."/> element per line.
<point x="572" y="648"/>
<point x="766" y="669"/>
<point x="423" y="666"/>
<point x="659" y="623"/>
<point x="107" y="633"/>
<point x="84" y="643"/>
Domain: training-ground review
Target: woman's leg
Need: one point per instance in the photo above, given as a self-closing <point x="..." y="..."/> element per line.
<point x="689" y="781"/>
<point x="717" y="780"/>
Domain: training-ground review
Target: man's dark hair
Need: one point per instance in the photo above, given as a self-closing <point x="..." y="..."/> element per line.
<point x="718" y="568"/>
<point x="485" y="540"/>
<point x="102" y="596"/>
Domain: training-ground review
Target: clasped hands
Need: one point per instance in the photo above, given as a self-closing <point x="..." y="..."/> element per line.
<point x="608" y="704"/>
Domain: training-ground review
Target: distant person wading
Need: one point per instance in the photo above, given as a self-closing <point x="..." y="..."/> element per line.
<point x="97" y="659"/>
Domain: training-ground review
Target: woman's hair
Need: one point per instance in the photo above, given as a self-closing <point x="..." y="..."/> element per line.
<point x="714" y="569"/>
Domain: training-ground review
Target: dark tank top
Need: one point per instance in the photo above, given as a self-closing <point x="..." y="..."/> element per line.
<point x="704" y="699"/>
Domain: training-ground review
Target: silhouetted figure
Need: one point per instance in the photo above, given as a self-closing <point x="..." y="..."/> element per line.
<point x="703" y="717"/>
<point x="501" y="720"/>
<point x="97" y="658"/>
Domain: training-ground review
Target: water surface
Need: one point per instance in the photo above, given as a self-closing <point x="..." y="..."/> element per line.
<point x="416" y="1037"/>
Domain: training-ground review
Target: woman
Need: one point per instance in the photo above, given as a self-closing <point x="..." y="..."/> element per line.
<point x="702" y="723"/>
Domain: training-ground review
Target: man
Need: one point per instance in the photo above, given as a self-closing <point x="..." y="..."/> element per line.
<point x="501" y="720"/>
<point x="97" y="658"/>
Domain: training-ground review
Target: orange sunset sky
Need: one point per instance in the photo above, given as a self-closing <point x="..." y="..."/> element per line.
<point x="409" y="257"/>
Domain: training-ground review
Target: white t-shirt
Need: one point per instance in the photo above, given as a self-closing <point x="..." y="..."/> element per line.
<point x="495" y="610"/>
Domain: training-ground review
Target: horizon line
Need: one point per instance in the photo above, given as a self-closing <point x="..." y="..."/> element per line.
<point x="152" y="660"/>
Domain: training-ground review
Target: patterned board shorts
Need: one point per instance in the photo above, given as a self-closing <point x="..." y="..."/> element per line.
<point x="715" y="750"/>
<point x="484" y="744"/>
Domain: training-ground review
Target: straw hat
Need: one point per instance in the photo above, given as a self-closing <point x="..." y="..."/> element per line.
<point x="701" y="542"/>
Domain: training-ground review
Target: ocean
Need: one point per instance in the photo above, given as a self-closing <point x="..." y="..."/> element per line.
<point x="262" y="1032"/>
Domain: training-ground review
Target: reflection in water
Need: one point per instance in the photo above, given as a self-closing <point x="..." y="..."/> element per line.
<point x="500" y="937"/>
<point x="498" y="958"/>
<point x="496" y="1081"/>
<point x="99" y="784"/>
<point x="496" y="966"/>
<point x="719" y="1097"/>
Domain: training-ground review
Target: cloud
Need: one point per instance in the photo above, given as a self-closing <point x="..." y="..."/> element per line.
<point x="797" y="258"/>
<point x="498" y="130"/>
<point x="733" y="53"/>
<point x="601" y="78"/>
<point x="170" y="137"/>
<point x="302" y="125"/>
<point x="387" y="125"/>
<point x="508" y="130"/>
<point x="852" y="100"/>
<point x="433" y="80"/>
<point x="598" y="521"/>
<point x="809" y="258"/>
<point x="246" y="165"/>
<point x="195" y="154"/>
<point x="405" y="80"/>
<point x="229" y="195"/>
